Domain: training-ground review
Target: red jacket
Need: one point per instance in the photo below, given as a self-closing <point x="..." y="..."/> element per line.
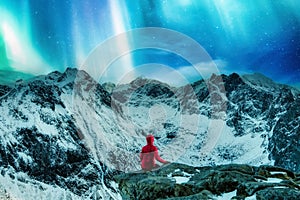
<point x="149" y="154"/>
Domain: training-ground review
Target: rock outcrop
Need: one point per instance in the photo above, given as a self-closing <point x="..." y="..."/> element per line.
<point x="178" y="181"/>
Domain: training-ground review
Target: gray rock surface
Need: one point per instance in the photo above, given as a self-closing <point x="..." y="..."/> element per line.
<point x="210" y="182"/>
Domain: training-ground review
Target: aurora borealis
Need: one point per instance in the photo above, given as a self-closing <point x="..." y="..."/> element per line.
<point x="40" y="36"/>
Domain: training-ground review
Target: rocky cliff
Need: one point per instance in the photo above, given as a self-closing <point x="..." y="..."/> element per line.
<point x="178" y="181"/>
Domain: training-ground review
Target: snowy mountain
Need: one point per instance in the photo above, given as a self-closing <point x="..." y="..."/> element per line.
<point x="66" y="134"/>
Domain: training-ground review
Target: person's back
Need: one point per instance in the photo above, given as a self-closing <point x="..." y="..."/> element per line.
<point x="149" y="154"/>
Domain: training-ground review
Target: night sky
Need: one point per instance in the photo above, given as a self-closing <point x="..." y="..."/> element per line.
<point x="40" y="36"/>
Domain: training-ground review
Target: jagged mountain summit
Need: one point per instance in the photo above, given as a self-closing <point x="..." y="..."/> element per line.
<point x="66" y="133"/>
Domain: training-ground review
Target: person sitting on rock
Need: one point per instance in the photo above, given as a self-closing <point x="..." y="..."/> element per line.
<point x="149" y="154"/>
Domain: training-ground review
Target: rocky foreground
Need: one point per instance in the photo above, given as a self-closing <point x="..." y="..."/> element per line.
<point x="178" y="181"/>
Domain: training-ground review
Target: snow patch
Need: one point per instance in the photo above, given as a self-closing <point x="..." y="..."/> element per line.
<point x="227" y="196"/>
<point x="180" y="179"/>
<point x="274" y="180"/>
<point x="253" y="197"/>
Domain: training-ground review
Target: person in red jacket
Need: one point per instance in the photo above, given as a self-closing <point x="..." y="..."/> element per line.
<point x="149" y="154"/>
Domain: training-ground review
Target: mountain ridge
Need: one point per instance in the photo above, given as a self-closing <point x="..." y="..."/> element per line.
<point x="97" y="132"/>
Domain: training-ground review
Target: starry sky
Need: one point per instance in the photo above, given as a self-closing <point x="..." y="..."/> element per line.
<point x="40" y="36"/>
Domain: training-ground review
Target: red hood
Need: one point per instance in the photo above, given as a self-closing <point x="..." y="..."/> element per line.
<point x="150" y="139"/>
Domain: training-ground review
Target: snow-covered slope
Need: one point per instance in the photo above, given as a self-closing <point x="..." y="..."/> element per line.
<point x="41" y="139"/>
<point x="65" y="130"/>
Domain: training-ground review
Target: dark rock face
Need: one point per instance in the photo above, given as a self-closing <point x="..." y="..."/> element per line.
<point x="4" y="90"/>
<point x="232" y="82"/>
<point x="44" y="159"/>
<point x="154" y="90"/>
<point x="172" y="130"/>
<point x="285" y="144"/>
<point x="209" y="182"/>
<point x="44" y="95"/>
<point x="149" y="188"/>
<point x="258" y="106"/>
<point x="140" y="89"/>
<point x="56" y="155"/>
<point x="278" y="193"/>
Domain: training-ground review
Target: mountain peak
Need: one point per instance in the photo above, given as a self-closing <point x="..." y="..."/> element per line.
<point x="261" y="81"/>
<point x="70" y="75"/>
<point x="141" y="80"/>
